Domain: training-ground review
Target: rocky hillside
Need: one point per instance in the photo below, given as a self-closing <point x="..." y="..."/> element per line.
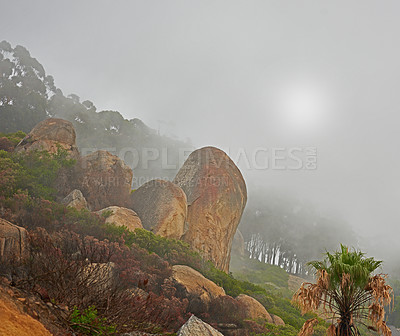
<point x="73" y="237"/>
<point x="96" y="241"/>
<point x="202" y="207"/>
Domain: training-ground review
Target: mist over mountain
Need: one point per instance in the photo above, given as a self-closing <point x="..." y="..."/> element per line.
<point x="272" y="125"/>
<point x="240" y="77"/>
<point x="287" y="227"/>
<point x="29" y="96"/>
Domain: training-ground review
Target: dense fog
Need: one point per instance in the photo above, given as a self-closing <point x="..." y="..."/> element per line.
<point x="302" y="95"/>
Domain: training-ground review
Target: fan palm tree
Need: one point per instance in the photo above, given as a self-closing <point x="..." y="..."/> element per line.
<point x="347" y="292"/>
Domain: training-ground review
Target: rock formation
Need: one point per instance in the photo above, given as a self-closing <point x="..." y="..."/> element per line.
<point x="13" y="241"/>
<point x="104" y="180"/>
<point x="254" y="310"/>
<point x="122" y="217"/>
<point x="216" y="195"/>
<point x="50" y="134"/>
<point x="75" y="200"/>
<point x="162" y="207"/>
<point x="196" y="284"/>
<point x="196" y="327"/>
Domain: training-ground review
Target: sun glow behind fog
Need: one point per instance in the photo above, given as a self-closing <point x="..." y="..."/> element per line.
<point x="302" y="107"/>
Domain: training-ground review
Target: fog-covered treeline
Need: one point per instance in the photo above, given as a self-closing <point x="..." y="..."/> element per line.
<point x="285" y="231"/>
<point x="28" y="95"/>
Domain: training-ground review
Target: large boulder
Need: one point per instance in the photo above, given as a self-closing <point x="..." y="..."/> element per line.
<point x="254" y="310"/>
<point x="216" y="195"/>
<point x="196" y="327"/>
<point x="75" y="199"/>
<point x="196" y="284"/>
<point x="13" y="241"/>
<point x="104" y="180"/>
<point x="162" y="207"/>
<point x="122" y="217"/>
<point x="50" y="134"/>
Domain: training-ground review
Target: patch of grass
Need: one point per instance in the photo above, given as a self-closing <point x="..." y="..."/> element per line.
<point x="263" y="274"/>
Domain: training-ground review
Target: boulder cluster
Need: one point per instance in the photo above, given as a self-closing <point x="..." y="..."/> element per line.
<point x="202" y="206"/>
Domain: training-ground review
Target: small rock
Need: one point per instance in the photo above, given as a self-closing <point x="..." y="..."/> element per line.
<point x="196" y="327"/>
<point x="277" y="320"/>
<point x="122" y="217"/>
<point x="75" y="199"/>
<point x="196" y="284"/>
<point x="254" y="310"/>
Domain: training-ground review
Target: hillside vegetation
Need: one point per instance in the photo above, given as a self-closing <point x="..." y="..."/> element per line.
<point x="142" y="259"/>
<point x="103" y="279"/>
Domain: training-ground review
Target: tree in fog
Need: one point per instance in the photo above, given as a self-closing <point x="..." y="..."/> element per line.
<point x="288" y="233"/>
<point x="24" y="89"/>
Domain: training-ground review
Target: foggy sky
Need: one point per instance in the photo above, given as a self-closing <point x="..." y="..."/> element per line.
<point x="217" y="72"/>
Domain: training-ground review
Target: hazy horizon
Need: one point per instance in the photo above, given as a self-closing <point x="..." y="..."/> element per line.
<point x="245" y="76"/>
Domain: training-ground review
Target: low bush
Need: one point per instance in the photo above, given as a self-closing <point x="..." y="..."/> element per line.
<point x="33" y="173"/>
<point x="87" y="322"/>
<point x="82" y="272"/>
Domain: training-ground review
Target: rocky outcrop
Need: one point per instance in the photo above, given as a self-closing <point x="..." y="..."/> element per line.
<point x="75" y="199"/>
<point x="122" y="217"/>
<point x="216" y="195"/>
<point x="254" y="310"/>
<point x="13" y="241"/>
<point x="162" y="207"/>
<point x="277" y="320"/>
<point x="196" y="327"/>
<point x="50" y="134"/>
<point x="104" y="180"/>
<point x="196" y="284"/>
<point x="238" y="247"/>
<point x="15" y="322"/>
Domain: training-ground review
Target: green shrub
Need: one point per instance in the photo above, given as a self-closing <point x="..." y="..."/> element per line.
<point x="274" y="330"/>
<point x="34" y="172"/>
<point x="178" y="252"/>
<point x="263" y="274"/>
<point x="15" y="138"/>
<point x="107" y="213"/>
<point x="87" y="322"/>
